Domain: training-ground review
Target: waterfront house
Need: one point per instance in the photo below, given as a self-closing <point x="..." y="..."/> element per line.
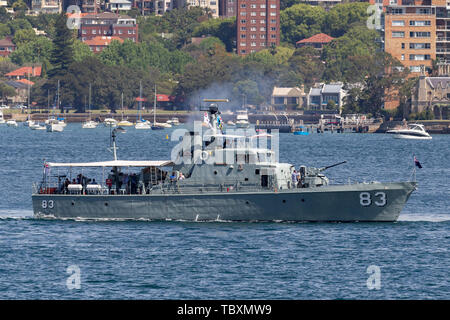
<point x="432" y="93"/>
<point x="320" y="94"/>
<point x="287" y="98"/>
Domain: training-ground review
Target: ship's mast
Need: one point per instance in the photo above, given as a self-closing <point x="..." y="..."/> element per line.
<point x="154" y="107"/>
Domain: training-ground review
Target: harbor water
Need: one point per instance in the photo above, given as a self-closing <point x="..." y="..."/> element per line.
<point x="408" y="259"/>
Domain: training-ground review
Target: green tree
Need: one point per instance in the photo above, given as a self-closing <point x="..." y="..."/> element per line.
<point x="81" y="51"/>
<point x="24" y="36"/>
<point x="6" y="91"/>
<point x="301" y="21"/>
<point x="35" y="51"/>
<point x="341" y="17"/>
<point x="62" y="54"/>
<point x="224" y="29"/>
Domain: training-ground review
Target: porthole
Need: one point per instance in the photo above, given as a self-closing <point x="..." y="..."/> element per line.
<point x="215" y="172"/>
<point x="106" y="204"/>
<point x="73" y="203"/>
<point x="284" y="201"/>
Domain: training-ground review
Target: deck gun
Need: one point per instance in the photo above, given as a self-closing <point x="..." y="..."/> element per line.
<point x="312" y="177"/>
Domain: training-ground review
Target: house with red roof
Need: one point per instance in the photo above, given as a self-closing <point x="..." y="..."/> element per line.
<point x="316" y="41"/>
<point x="24" y="73"/>
<point x="6" y="47"/>
<point x="97" y="44"/>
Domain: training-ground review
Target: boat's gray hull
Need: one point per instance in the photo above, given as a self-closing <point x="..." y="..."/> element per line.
<point x="358" y="202"/>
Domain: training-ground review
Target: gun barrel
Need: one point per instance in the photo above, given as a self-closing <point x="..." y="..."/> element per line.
<point x="333" y="165"/>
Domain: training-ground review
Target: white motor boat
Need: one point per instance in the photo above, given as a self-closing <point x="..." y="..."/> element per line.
<point x="242" y="119"/>
<point x="162" y="125"/>
<point x="11" y="123"/>
<point x="2" y="120"/>
<point x="90" y="124"/>
<point x="110" y="122"/>
<point x="37" y="126"/>
<point x="54" y="125"/>
<point x="143" y="125"/>
<point x="411" y="131"/>
<point x="173" y="121"/>
<point x="28" y="123"/>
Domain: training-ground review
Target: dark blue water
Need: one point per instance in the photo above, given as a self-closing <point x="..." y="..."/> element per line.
<point x="179" y="260"/>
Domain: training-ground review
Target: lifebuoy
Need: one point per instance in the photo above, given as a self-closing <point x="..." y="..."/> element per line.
<point x="204" y="155"/>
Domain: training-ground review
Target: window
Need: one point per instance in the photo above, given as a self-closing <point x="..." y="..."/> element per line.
<point x="273" y="29"/>
<point x="253" y="6"/>
<point x="273" y="6"/>
<point x="253" y="29"/>
<point x="273" y="21"/>
<point x="423" y="11"/>
<point x="243" y="51"/>
<point x="83" y="32"/>
<point x="403" y="57"/>
<point x="252" y="21"/>
<point x="253" y="44"/>
<point x="398" y="23"/>
<point x="398" y="34"/>
<point x="403" y="46"/>
<point x="273" y="14"/>
<point x="243" y="28"/>
<point x="253" y="36"/>
<point x="243" y="6"/>
<point x="262" y="36"/>
<point x="263" y="6"/>
<point x="263" y="14"/>
<point x="419" y="34"/>
<point x="262" y="29"/>
<point x="397" y="10"/>
<point x="421" y="23"/>
<point x="263" y="21"/>
<point x="273" y="36"/>
<point x="414" y="68"/>
<point x="253" y="14"/>
<point x="419" y="57"/>
<point x="243" y="44"/>
<point x="243" y="36"/>
<point x="94" y="31"/>
<point x="243" y="13"/>
<point x="243" y="21"/>
<point x="419" y="46"/>
<point x="263" y="44"/>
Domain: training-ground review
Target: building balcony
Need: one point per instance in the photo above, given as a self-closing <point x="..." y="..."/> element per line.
<point x="442" y="39"/>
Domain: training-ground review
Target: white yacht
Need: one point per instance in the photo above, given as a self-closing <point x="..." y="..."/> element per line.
<point x="37" y="126"/>
<point x="54" y="125"/>
<point x="411" y="131"/>
<point x="110" y="122"/>
<point x="2" y="120"/>
<point x="143" y="125"/>
<point x="242" y="119"/>
<point x="11" y="123"/>
<point x="124" y="122"/>
<point x="173" y="121"/>
<point x="90" y="124"/>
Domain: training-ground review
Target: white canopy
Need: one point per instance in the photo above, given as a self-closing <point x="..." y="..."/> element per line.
<point x="114" y="163"/>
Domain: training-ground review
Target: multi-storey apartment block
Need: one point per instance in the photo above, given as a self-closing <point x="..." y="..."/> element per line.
<point x="108" y="24"/>
<point x="258" y="25"/>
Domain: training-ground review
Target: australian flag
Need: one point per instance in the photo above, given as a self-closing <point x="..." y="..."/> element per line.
<point x="417" y="163"/>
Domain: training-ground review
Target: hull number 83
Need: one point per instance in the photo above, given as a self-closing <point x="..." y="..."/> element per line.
<point x="379" y="199"/>
<point x="47" y="204"/>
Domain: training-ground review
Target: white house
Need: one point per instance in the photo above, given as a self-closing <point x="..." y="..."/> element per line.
<point x="119" y="5"/>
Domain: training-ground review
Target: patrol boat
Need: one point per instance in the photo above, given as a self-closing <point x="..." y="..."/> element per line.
<point x="217" y="177"/>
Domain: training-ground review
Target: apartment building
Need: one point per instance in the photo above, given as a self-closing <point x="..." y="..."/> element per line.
<point x="46" y="6"/>
<point x="108" y="24"/>
<point x="258" y="25"/>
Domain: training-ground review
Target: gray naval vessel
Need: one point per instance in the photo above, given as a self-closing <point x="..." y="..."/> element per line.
<point x="217" y="177"/>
